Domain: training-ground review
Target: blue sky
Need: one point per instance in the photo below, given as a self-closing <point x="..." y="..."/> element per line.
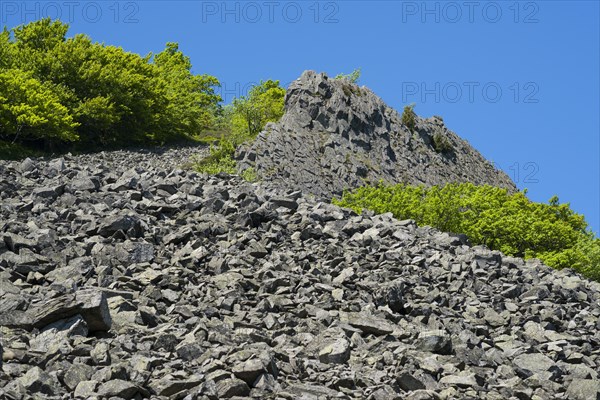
<point x="518" y="79"/>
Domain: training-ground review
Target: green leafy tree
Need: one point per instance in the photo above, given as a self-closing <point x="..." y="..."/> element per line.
<point x="491" y="216"/>
<point x="242" y="121"/>
<point x="191" y="99"/>
<point x="35" y="46"/>
<point x="114" y="97"/>
<point x="29" y="110"/>
<point x="223" y="117"/>
<point x="264" y="103"/>
<point x="99" y="119"/>
<point x="116" y="93"/>
<point x="43" y="35"/>
<point x="6" y="49"/>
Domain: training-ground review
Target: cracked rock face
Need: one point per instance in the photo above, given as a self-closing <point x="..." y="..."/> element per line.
<point x="335" y="135"/>
<point x="154" y="282"/>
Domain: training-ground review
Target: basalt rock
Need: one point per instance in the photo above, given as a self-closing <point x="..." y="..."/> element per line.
<point x="161" y="283"/>
<point x="336" y="135"/>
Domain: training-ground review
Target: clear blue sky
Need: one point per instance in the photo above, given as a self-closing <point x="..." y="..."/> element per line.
<point x="518" y="80"/>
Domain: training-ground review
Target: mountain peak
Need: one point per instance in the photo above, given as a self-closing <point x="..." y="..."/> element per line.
<point x="336" y="135"/>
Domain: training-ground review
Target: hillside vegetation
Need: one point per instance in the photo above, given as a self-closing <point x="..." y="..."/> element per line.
<point x="241" y="121"/>
<point x="244" y="119"/>
<point x="491" y="216"/>
<point x="58" y="92"/>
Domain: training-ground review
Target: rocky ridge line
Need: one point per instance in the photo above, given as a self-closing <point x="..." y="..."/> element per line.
<point x="336" y="135"/>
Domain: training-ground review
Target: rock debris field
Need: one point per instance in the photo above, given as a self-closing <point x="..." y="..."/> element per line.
<point x="125" y="276"/>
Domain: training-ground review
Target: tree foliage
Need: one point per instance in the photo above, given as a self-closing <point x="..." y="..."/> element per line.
<point x="264" y="103"/>
<point x="191" y="99"/>
<point x="98" y="94"/>
<point x="5" y="49"/>
<point x="491" y="216"/>
<point x="31" y="110"/>
<point x="353" y="77"/>
<point x="242" y="121"/>
<point x="409" y="117"/>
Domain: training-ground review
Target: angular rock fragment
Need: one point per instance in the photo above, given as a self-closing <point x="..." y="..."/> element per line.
<point x="335" y="352"/>
<point x="249" y="370"/>
<point x="117" y="388"/>
<point x="55" y="336"/>
<point x="76" y="374"/>
<point x="534" y="362"/>
<point x="308" y="390"/>
<point x="85" y="389"/>
<point x="584" y="389"/>
<point x="228" y="388"/>
<point x="464" y="380"/>
<point x="408" y="382"/>
<point x="128" y="224"/>
<point x="368" y="323"/>
<point x="434" y="342"/>
<point x="90" y="304"/>
<point x="36" y="381"/>
<point x="170" y="386"/>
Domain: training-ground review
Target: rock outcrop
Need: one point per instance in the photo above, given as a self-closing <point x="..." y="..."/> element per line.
<point x="336" y="135"/>
<point x="123" y="276"/>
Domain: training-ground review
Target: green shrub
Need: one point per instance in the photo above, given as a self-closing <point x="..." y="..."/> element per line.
<point x="249" y="174"/>
<point x="491" y="216"/>
<point x="441" y="143"/>
<point x="409" y="117"/>
<point x="240" y="122"/>
<point x="353" y="77"/>
<point x="220" y="159"/>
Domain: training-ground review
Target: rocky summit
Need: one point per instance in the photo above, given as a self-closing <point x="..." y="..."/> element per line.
<point x="336" y="135"/>
<point x="125" y="276"/>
